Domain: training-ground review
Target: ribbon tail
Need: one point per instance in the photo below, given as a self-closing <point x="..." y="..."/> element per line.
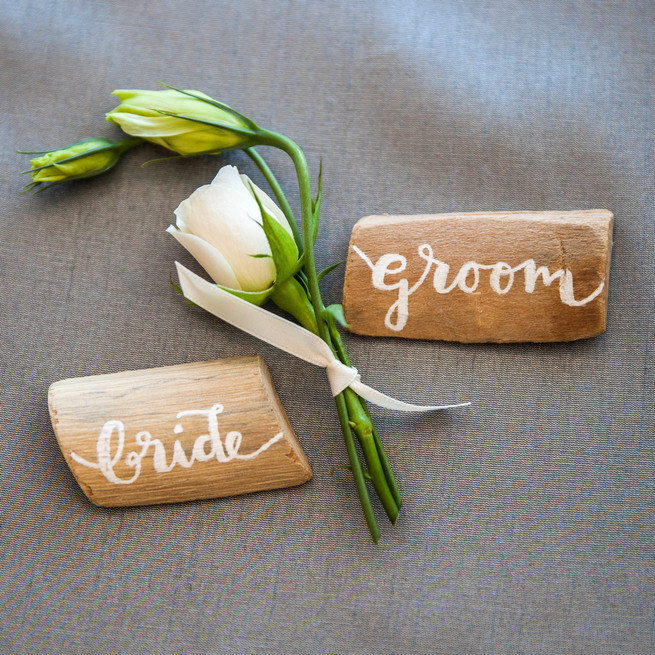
<point x="382" y="400"/>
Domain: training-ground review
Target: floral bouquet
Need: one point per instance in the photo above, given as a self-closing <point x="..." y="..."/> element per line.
<point x="252" y="249"/>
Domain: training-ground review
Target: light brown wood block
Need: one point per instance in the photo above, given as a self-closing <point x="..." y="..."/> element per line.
<point x="176" y="433"/>
<point x="499" y="277"/>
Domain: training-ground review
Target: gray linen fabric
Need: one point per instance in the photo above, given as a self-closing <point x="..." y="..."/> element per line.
<point x="528" y="523"/>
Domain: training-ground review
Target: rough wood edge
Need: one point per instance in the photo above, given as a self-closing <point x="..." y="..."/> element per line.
<point x="583" y="216"/>
<point x="296" y="454"/>
<point x="219" y="362"/>
<point x="54" y="420"/>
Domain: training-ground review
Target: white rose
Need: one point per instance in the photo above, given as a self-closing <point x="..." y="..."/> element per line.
<point x="220" y="225"/>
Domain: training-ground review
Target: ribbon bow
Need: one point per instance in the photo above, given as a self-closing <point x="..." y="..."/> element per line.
<point x="287" y="336"/>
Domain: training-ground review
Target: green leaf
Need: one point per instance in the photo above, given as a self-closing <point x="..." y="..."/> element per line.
<point x="329" y="269"/>
<point x="283" y="247"/>
<point x="260" y="256"/>
<point x="299" y="264"/>
<point x="302" y="279"/>
<point x="316" y="204"/>
<point x="178" y="289"/>
<point x="334" y="313"/>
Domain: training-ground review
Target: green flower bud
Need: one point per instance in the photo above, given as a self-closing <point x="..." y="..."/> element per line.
<point x="85" y="158"/>
<point x="187" y="122"/>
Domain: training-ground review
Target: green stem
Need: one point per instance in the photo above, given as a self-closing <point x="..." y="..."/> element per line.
<point x="384" y="460"/>
<point x="369" y="433"/>
<point x="358" y="474"/>
<point x="304" y="185"/>
<point x="363" y="428"/>
<point x="279" y="194"/>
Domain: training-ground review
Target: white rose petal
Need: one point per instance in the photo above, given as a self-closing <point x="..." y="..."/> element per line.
<point x="208" y="257"/>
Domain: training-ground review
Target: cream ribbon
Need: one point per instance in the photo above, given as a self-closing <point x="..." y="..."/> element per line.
<point x="287" y="336"/>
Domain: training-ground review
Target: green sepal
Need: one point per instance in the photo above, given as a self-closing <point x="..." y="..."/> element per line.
<point x="220" y="126"/>
<point x="279" y="194"/>
<point x="334" y="313"/>
<point x="290" y="296"/>
<point x="329" y="269"/>
<point x="161" y="159"/>
<point x="34" y="152"/>
<point x="254" y="297"/>
<point x="37" y="185"/>
<point x="70" y="145"/>
<point x="283" y="248"/>
<point x="215" y="103"/>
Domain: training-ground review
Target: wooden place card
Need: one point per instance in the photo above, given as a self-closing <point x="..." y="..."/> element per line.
<point x="502" y="276"/>
<point x="176" y="433"/>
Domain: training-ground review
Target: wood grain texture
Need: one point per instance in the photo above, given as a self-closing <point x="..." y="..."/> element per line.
<point x="208" y="461"/>
<point x="468" y="292"/>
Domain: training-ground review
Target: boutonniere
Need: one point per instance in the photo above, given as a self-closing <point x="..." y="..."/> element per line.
<point x="254" y="252"/>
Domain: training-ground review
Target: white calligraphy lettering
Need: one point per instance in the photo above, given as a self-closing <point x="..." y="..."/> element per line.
<point x="205" y="447"/>
<point x="501" y="279"/>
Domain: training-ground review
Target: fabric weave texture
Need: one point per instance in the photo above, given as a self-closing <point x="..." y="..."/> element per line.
<point x="528" y="518"/>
